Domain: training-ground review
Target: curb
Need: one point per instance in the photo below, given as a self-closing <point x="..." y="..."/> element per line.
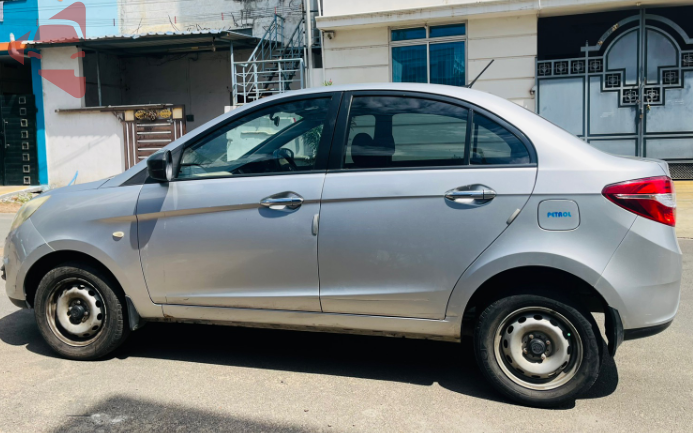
<point x="25" y="190"/>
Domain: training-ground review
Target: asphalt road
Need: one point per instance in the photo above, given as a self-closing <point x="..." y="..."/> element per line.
<point x="205" y="378"/>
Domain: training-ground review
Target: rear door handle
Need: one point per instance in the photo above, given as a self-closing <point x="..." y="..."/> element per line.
<point x="473" y="192"/>
<point x="282" y="201"/>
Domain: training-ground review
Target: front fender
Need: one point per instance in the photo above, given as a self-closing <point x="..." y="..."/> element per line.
<point x="86" y="221"/>
<point x="131" y="282"/>
<point x="127" y="272"/>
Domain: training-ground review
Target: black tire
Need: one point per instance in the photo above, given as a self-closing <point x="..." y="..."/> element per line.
<point x="112" y="330"/>
<point x="492" y="323"/>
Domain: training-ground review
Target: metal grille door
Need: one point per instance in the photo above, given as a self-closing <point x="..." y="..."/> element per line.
<point x="631" y="93"/>
<point x="18" y="148"/>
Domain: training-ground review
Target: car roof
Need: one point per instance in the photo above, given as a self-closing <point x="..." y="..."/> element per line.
<point x="471" y="95"/>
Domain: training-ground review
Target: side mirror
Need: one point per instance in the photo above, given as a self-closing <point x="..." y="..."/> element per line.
<point x="160" y="166"/>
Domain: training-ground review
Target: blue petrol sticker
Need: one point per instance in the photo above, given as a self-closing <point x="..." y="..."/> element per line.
<point x="551" y="218"/>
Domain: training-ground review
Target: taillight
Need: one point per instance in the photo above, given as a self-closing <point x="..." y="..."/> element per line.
<point x="651" y="197"/>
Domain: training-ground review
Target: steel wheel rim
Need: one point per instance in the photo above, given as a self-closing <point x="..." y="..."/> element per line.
<point x="75" y="312"/>
<point x="518" y="355"/>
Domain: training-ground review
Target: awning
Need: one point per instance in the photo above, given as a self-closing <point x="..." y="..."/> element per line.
<point x="157" y="42"/>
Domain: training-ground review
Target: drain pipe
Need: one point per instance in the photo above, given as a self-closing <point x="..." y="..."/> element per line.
<point x="309" y="44"/>
<point x="98" y="76"/>
<point x="322" y="45"/>
<point x="13" y="49"/>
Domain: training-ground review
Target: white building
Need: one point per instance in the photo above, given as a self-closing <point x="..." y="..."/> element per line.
<point x="150" y="71"/>
<point x="618" y="74"/>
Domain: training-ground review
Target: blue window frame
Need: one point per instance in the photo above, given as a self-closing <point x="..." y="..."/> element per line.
<point x="408" y="34"/>
<point x="434" y="54"/>
<point x="448" y="30"/>
<point x="409" y="64"/>
<point x="447" y="63"/>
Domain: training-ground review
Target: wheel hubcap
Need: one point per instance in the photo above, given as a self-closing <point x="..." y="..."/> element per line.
<point x="538" y="348"/>
<point x="76" y="312"/>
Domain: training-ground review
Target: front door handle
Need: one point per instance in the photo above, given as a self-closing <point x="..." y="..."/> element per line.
<point x="473" y="192"/>
<point x="282" y="201"/>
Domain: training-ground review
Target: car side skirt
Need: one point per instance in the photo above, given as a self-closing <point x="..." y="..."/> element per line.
<point x="445" y="330"/>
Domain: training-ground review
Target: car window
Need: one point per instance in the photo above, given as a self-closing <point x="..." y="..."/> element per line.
<point x="400" y="132"/>
<point x="279" y="139"/>
<point x="493" y="144"/>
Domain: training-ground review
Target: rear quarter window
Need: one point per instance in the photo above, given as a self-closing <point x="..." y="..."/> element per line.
<point x="493" y="144"/>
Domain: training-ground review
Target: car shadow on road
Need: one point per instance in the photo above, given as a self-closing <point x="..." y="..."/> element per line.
<point x="127" y="414"/>
<point x="419" y="362"/>
<point x="19" y="329"/>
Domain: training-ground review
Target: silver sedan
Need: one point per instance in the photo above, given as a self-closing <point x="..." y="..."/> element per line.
<point x="391" y="209"/>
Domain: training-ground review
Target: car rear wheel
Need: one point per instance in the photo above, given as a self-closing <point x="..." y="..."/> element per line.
<point x="80" y="312"/>
<point x="536" y="350"/>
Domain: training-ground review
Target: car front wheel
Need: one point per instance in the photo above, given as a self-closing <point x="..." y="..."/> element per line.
<point x="536" y="350"/>
<point x="80" y="312"/>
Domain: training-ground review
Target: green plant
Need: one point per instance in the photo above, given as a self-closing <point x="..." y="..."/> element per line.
<point x="21" y="198"/>
<point x="327" y="83"/>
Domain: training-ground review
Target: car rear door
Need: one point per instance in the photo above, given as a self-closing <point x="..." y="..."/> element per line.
<point x="417" y="187"/>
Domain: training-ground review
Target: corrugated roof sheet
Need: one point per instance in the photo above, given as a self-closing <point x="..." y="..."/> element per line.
<point x="154" y="39"/>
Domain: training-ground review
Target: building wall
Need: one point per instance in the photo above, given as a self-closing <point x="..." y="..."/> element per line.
<point x="404" y="9"/>
<point x="86" y="143"/>
<point x="91" y="143"/>
<point x="357" y="56"/>
<point x="60" y="150"/>
<point x="110" y="69"/>
<point x="334" y="8"/>
<point x="202" y="82"/>
<point x="137" y="16"/>
<point x="19" y="19"/>
<point x="362" y="55"/>
<point x="512" y="43"/>
<point x="505" y="31"/>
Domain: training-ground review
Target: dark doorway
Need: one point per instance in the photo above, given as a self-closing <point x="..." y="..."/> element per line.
<point x="18" y="156"/>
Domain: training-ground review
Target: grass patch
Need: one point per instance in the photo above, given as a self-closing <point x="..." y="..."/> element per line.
<point x="12" y="203"/>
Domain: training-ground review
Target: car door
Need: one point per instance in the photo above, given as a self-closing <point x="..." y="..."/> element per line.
<point x="417" y="187"/>
<point x="235" y="227"/>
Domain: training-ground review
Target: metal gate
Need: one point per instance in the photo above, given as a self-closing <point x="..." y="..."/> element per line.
<point x="630" y="96"/>
<point x="18" y="165"/>
<point x="147" y="130"/>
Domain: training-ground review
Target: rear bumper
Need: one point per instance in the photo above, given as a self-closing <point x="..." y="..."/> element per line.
<point x="643" y="278"/>
<point x="617" y="335"/>
<point x="633" y="334"/>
